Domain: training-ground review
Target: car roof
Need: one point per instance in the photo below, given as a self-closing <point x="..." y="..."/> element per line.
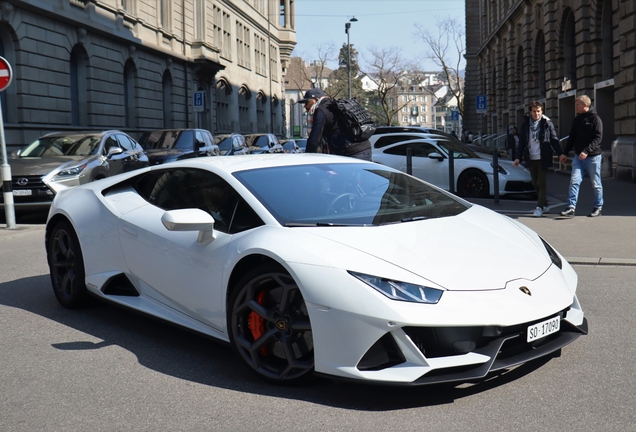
<point x="85" y="132"/>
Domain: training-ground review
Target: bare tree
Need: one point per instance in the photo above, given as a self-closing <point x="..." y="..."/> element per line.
<point x="446" y="50"/>
<point x="385" y="67"/>
<point x="315" y="72"/>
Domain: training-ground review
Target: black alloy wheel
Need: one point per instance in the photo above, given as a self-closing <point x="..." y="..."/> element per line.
<point x="269" y="325"/>
<point x="66" y="266"/>
<point x="473" y="184"/>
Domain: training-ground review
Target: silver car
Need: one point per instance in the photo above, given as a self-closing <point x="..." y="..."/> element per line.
<point x="62" y="160"/>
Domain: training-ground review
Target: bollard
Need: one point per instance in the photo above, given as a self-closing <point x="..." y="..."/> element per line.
<point x="451" y="171"/>
<point x="495" y="177"/>
<point x="409" y="161"/>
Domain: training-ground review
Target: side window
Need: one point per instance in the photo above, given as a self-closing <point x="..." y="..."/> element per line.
<point x="417" y="149"/>
<point x="239" y="142"/>
<point x="205" y="138"/>
<point x="185" y="141"/>
<point x="125" y="142"/>
<point x="189" y="188"/>
<point x="108" y="143"/>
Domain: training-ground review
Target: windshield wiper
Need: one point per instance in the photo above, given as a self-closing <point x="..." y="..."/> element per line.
<point x="414" y="218"/>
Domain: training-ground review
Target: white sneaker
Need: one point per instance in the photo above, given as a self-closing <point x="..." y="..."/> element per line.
<point x="538" y="212"/>
<point x="546" y="209"/>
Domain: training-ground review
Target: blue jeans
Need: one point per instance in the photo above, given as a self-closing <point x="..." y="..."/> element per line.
<point x="592" y="167"/>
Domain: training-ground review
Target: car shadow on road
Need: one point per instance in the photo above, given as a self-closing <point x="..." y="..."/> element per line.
<point x="199" y="359"/>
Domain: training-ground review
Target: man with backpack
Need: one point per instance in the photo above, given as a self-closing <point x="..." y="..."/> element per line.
<point x="326" y="134"/>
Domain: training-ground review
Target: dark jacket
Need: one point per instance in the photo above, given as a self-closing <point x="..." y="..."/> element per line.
<point x="325" y="135"/>
<point x="548" y="141"/>
<point x="586" y="134"/>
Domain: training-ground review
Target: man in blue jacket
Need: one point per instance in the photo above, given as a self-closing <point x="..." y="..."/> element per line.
<point x="585" y="138"/>
<point x="540" y="139"/>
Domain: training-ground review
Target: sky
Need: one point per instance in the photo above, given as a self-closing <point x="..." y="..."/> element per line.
<point x="381" y="24"/>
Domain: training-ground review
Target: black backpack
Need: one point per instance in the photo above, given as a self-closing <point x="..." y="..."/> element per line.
<point x="353" y="120"/>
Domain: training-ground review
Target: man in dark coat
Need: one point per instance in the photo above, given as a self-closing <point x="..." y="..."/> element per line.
<point x="325" y="135"/>
<point x="585" y="138"/>
<point x="540" y="139"/>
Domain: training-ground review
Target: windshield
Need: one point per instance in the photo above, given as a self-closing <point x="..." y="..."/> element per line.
<point x="346" y="194"/>
<point x="68" y="145"/>
<point x="460" y="151"/>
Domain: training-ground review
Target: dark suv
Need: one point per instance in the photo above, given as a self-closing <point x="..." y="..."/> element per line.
<point x="167" y="145"/>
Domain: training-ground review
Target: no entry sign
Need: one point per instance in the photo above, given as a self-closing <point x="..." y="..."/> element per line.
<point x="5" y="73"/>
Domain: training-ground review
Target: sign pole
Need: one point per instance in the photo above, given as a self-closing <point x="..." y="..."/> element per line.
<point x="7" y="191"/>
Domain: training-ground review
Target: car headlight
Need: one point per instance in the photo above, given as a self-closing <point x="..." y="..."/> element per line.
<point x="499" y="168"/>
<point x="403" y="291"/>
<point x="69" y="172"/>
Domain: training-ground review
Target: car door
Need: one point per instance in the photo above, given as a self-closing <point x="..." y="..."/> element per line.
<point x="423" y="167"/>
<point x="171" y="266"/>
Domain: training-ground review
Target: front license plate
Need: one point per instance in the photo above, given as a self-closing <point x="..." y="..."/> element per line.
<point x="22" y="192"/>
<point x="542" y="329"/>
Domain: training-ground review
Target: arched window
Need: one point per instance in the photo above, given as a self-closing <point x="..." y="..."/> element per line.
<point x="79" y="106"/>
<point x="244" y="97"/>
<point x="130" y="100"/>
<point x="569" y="48"/>
<point x="167" y="100"/>
<point x="520" y="78"/>
<point x="261" y="105"/>
<point x="539" y="51"/>
<point x="607" y="34"/>
<point x="223" y="119"/>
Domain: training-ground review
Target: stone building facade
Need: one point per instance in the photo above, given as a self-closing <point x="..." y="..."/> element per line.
<point x="518" y="51"/>
<point x="135" y="65"/>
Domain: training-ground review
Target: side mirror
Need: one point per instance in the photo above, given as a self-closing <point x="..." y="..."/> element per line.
<point x="436" y="155"/>
<point x="112" y="151"/>
<point x="191" y="219"/>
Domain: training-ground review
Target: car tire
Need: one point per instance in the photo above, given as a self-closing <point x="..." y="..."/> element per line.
<point x="473" y="184"/>
<point x="269" y="325"/>
<point x="66" y="266"/>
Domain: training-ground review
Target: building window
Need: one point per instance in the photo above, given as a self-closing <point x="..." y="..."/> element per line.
<point x="243" y="45"/>
<point x="130" y="108"/>
<point x="78" y="86"/>
<point x="261" y="104"/>
<point x="244" y="96"/>
<point x="217" y="27"/>
<point x="227" y="37"/>
<point x="405" y="119"/>
<point x="223" y="118"/>
<point x="273" y="56"/>
<point x="167" y="100"/>
<point x="260" y="57"/>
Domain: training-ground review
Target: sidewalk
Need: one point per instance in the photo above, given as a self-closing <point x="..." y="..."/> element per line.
<point x="604" y="240"/>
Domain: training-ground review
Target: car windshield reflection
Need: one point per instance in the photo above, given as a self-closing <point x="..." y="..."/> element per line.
<point x="69" y="145"/>
<point x="346" y="194"/>
<point x="458" y="149"/>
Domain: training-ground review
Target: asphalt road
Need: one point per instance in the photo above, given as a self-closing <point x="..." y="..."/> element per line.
<point x="107" y="369"/>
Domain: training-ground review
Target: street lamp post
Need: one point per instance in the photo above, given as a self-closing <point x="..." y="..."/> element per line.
<point x="347" y="27"/>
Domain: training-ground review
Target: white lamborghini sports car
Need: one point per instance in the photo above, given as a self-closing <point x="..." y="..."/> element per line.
<point x="317" y="263"/>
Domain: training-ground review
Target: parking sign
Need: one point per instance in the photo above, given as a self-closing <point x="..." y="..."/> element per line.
<point x="198" y="101"/>
<point x="482" y="107"/>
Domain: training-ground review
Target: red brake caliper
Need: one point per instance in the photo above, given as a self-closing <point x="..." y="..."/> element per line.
<point x="256" y="323"/>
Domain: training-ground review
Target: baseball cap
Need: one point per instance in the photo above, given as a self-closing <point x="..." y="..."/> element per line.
<point x="312" y="93"/>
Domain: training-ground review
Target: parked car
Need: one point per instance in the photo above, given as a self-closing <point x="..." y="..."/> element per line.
<point x="353" y="270"/>
<point x="290" y="146"/>
<point x="231" y="144"/>
<point x="263" y="143"/>
<point x="167" y="145"/>
<point x="302" y="143"/>
<point x="473" y="174"/>
<point x="61" y="160"/>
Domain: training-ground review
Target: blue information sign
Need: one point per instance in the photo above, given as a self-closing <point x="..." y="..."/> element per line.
<point x="198" y="101"/>
<point x="482" y="107"/>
